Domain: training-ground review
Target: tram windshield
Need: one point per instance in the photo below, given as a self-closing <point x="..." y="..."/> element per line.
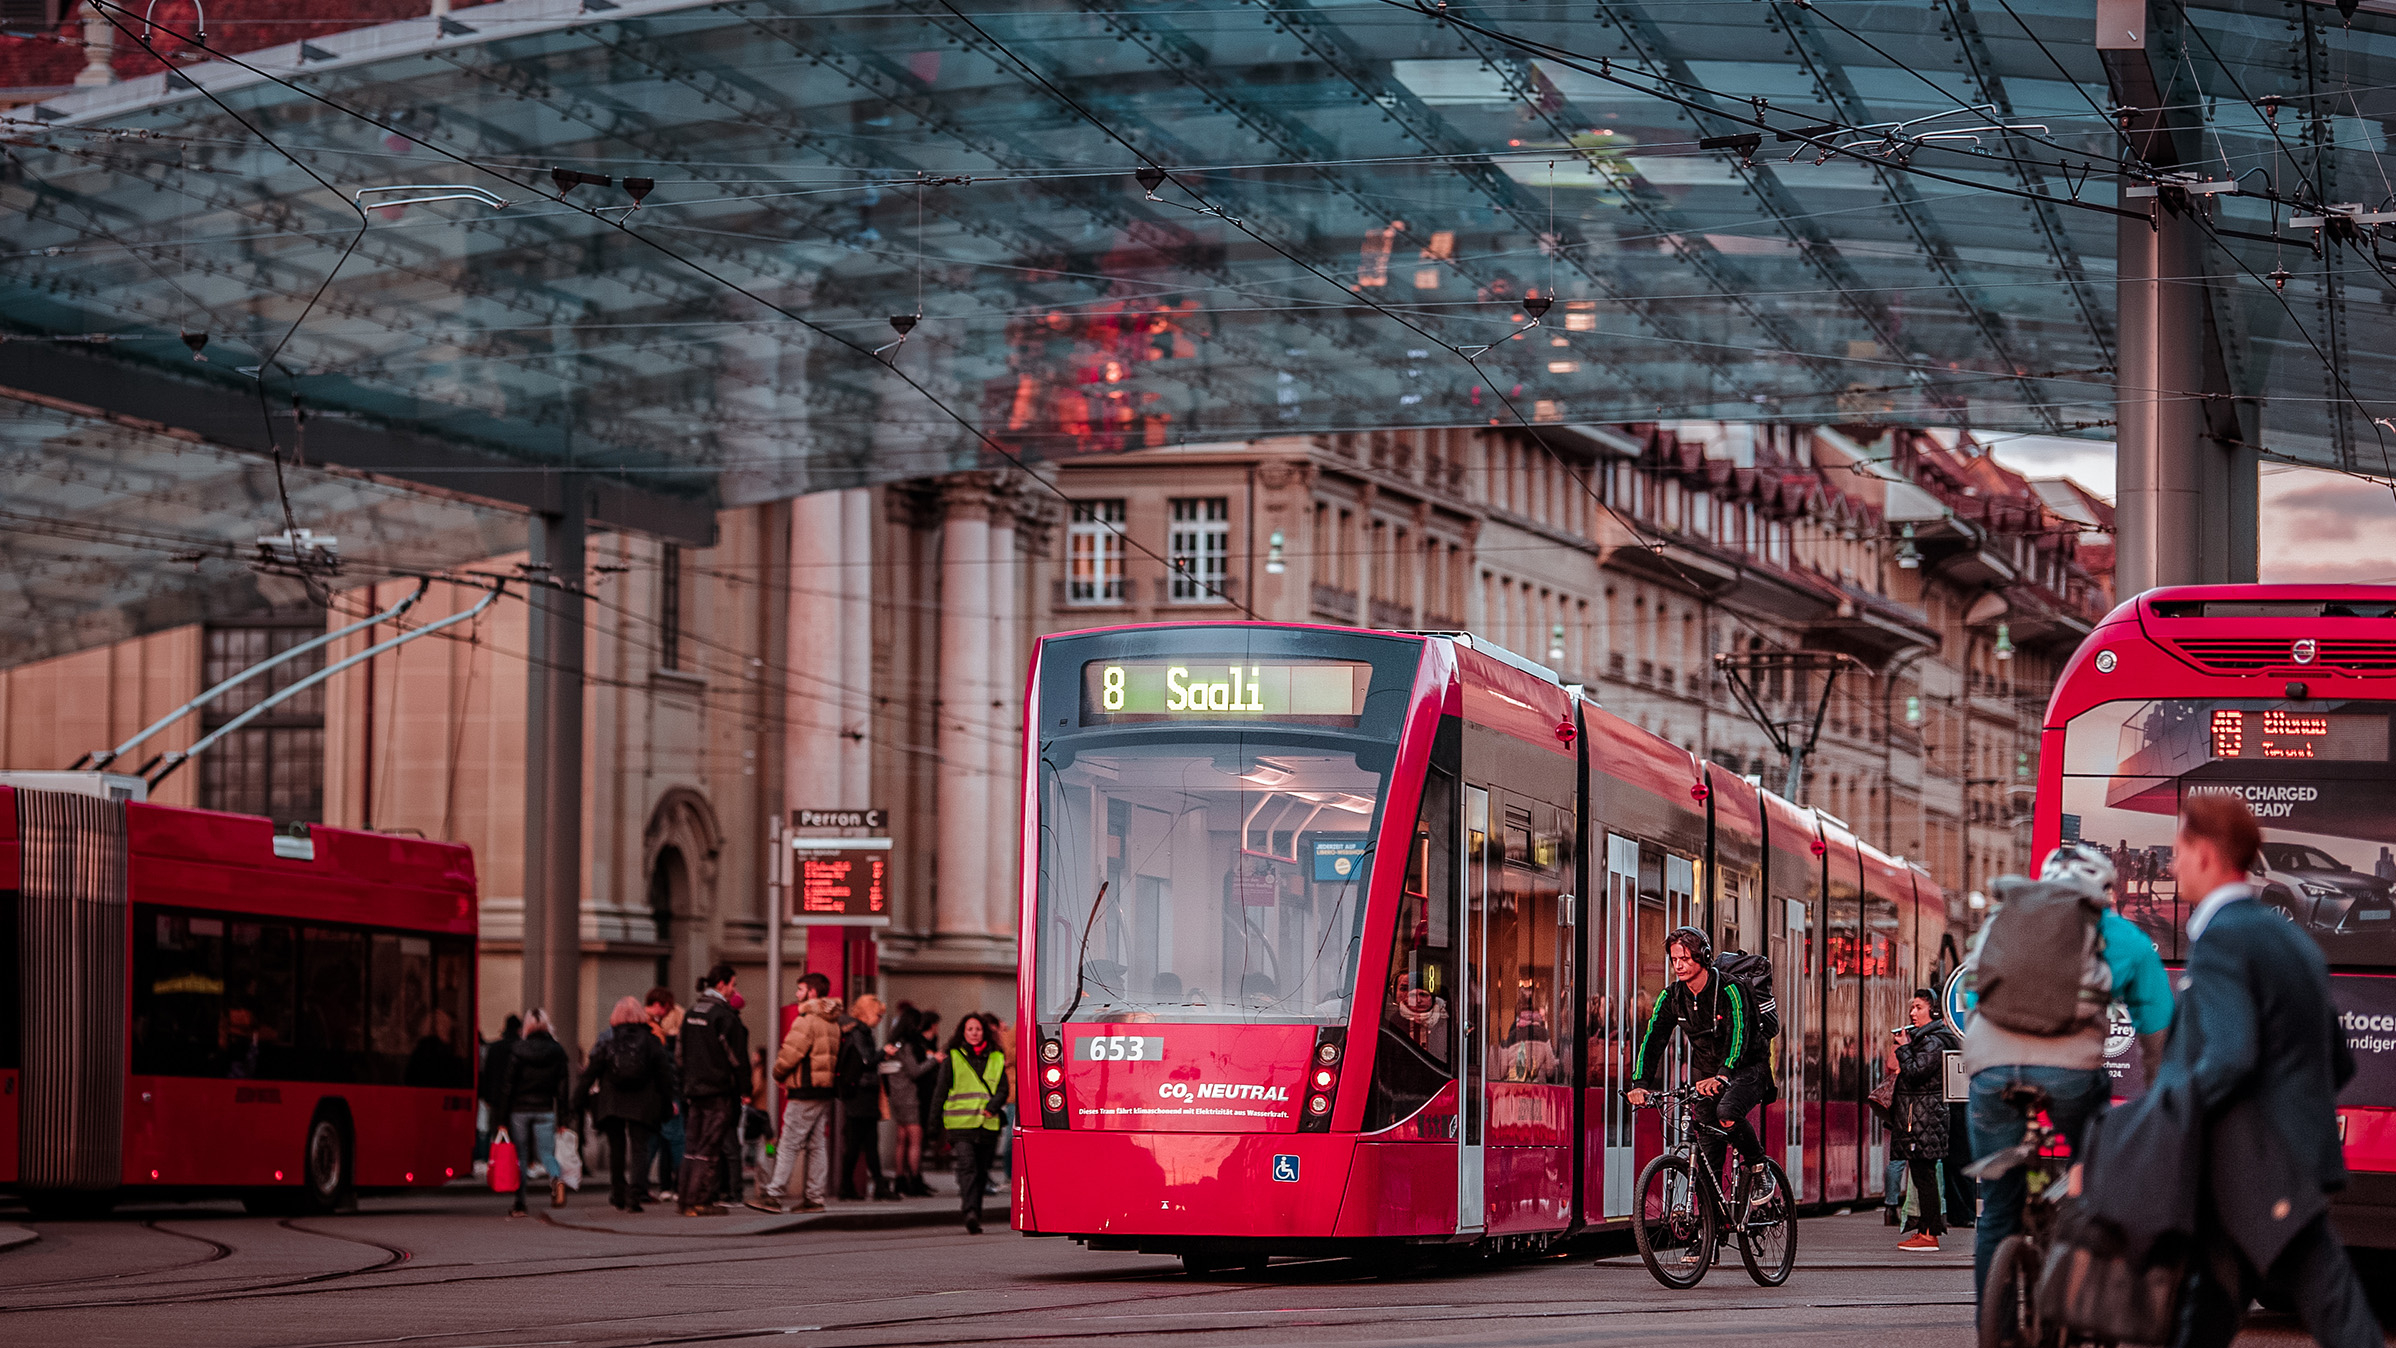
<point x="2317" y="774"/>
<point x="1205" y="875"/>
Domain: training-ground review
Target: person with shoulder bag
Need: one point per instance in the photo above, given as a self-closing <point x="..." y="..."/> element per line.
<point x="2044" y="971"/>
<point x="1916" y="1062"/>
<point x="2261" y="1055"/>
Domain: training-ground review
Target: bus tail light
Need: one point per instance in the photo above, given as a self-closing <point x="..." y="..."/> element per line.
<point x="1322" y="1080"/>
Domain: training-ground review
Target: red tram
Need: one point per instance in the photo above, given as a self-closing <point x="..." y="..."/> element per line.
<point x="1338" y="938"/>
<point x="2285" y="696"/>
<point x="202" y="1006"/>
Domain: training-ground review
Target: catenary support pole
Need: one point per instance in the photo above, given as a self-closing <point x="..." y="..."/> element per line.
<point x="2187" y="471"/>
<point x="553" y="768"/>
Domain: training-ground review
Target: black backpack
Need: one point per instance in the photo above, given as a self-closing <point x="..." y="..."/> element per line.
<point x="1753" y="974"/>
<point x="628" y="1064"/>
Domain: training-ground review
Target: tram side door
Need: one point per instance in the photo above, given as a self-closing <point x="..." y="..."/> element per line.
<point x="1794" y="986"/>
<point x="1472" y="899"/>
<point x="1614" y="967"/>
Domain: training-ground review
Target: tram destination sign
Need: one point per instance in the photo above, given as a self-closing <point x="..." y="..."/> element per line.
<point x="1225" y="688"/>
<point x="840" y="882"/>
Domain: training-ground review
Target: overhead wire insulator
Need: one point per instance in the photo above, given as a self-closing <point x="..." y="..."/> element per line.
<point x="1151" y="177"/>
<point x="197" y="341"/>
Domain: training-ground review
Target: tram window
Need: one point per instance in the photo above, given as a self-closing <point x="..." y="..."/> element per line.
<point x="1418" y="1029"/>
<point x="1226" y="869"/>
<point x="1521" y="1012"/>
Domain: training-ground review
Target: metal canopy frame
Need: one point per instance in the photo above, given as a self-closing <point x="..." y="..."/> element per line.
<point x="835" y="161"/>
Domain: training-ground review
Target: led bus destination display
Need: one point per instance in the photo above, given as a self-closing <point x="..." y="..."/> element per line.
<point x="2280" y="734"/>
<point x="1224" y="688"/>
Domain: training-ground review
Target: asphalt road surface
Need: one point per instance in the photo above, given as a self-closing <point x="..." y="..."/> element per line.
<point x="450" y="1270"/>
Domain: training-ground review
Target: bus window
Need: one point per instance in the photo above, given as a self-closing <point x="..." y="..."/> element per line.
<point x="332" y="1020"/>
<point x="2317" y="774"/>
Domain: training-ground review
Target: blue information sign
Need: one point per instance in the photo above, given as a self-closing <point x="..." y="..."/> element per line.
<point x="1957" y="1014"/>
<point x="1285" y="1169"/>
<point x="1337" y="859"/>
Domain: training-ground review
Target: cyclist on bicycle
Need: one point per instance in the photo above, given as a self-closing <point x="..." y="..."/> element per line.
<point x="2068" y="1066"/>
<point x="1728" y="1059"/>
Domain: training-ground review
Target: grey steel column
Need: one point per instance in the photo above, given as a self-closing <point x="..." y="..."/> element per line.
<point x="2162" y="452"/>
<point x="553" y="768"/>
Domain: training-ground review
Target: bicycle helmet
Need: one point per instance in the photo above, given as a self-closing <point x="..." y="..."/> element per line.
<point x="2081" y="866"/>
<point x="1700" y="944"/>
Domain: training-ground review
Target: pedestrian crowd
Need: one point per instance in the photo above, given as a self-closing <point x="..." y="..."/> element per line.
<point x="679" y="1096"/>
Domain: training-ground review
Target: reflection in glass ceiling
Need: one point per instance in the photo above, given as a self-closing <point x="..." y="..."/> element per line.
<point x="1364" y="208"/>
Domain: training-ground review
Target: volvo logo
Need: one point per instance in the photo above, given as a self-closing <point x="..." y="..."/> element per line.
<point x="2303" y="651"/>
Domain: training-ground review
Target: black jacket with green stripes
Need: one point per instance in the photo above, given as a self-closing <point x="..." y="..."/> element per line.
<point x="1721" y="1025"/>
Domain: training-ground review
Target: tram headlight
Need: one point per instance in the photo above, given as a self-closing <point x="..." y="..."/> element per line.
<point x="1055" y="1101"/>
<point x="1054" y="1076"/>
<point x="1051" y="1050"/>
<point x="1326" y="1053"/>
<point x="1318" y="1105"/>
<point x="1322" y="1078"/>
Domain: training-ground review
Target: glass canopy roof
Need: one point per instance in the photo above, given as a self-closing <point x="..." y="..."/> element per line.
<point x="713" y="213"/>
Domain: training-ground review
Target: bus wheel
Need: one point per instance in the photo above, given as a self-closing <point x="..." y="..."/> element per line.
<point x="325" y="1166"/>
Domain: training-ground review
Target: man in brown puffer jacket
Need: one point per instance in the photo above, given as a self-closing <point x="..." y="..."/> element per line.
<point x="804" y="1067"/>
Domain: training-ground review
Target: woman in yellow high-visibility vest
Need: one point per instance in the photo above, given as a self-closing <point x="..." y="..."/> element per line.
<point x="972" y="1090"/>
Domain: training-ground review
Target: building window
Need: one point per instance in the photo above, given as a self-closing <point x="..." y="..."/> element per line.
<point x="274" y="765"/>
<point x="669" y="608"/>
<point x="1094" y="554"/>
<point x="1200" y="548"/>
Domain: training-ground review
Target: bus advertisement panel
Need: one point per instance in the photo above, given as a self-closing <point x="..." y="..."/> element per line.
<point x="2316" y="773"/>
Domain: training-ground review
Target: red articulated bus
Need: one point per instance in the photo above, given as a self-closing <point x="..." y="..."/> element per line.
<point x="205" y="1007"/>
<point x="2283" y="695"/>
<point x="1335" y="940"/>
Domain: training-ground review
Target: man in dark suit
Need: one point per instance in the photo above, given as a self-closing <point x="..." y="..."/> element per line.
<point x="2260" y="1049"/>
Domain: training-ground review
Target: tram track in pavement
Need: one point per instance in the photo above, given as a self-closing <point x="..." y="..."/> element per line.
<point x="1098" y="1318"/>
<point x="217" y="1249"/>
<point x="323" y="1282"/>
<point x="394" y="1255"/>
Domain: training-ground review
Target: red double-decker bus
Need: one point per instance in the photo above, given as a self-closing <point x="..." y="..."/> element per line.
<point x="2285" y="696"/>
<point x="1336" y="939"/>
<point x="202" y="1006"/>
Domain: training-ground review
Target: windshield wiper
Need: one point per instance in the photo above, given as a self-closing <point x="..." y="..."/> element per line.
<point x="1081" y="970"/>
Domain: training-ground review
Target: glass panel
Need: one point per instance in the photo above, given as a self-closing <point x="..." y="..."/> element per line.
<point x="2317" y="774"/>
<point x="332" y="1020"/>
<point x="178" y="994"/>
<point x="1417" y="1053"/>
<point x="1204" y="877"/>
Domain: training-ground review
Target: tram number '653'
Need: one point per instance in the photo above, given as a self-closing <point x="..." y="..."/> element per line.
<point x="1119" y="1048"/>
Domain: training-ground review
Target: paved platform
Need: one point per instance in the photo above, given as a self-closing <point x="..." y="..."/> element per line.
<point x="450" y="1269"/>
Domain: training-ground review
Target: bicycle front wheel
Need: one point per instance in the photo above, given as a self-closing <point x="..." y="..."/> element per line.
<point x="1673" y="1223"/>
<point x="2009" y="1308"/>
<point x="1767" y="1230"/>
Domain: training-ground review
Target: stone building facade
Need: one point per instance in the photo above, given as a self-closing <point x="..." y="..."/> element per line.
<point x="866" y="649"/>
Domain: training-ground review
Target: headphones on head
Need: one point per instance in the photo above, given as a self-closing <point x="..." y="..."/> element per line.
<point x="1700" y="945"/>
